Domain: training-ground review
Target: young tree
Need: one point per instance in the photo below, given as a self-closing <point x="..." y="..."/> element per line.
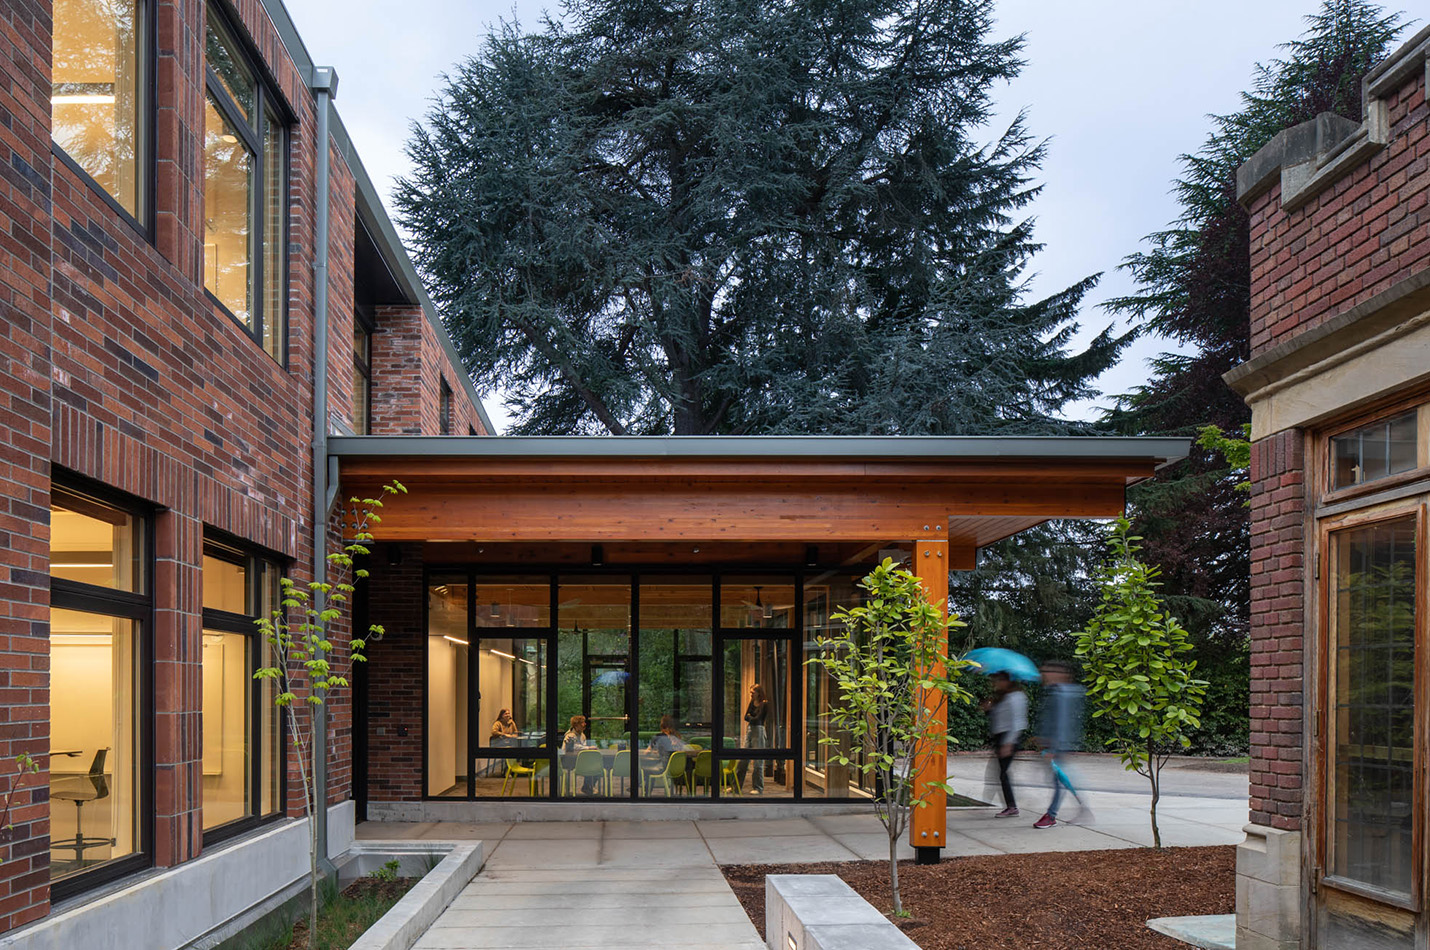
<point x="308" y="667"/>
<point x="731" y="217"/>
<point x="1136" y="668"/>
<point x="888" y="652"/>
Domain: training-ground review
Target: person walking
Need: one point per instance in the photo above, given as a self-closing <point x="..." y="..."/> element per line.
<point x="755" y="715"/>
<point x="1007" y="721"/>
<point x="1059" y="733"/>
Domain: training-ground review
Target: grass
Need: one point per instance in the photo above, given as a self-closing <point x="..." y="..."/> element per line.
<point x="342" y="918"/>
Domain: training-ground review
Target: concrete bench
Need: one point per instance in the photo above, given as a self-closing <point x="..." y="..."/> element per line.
<point x="821" y="912"/>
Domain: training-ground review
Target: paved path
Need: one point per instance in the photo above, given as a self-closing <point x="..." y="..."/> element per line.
<point x="637" y="884"/>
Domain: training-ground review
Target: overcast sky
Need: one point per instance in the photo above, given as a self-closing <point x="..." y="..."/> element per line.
<point x="1120" y="87"/>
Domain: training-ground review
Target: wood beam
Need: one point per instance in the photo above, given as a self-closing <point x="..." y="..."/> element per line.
<point x="928" y="826"/>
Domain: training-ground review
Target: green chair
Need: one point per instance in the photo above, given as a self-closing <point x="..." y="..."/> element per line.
<point x="590" y="763"/>
<point x="620" y="768"/>
<point x="672" y="777"/>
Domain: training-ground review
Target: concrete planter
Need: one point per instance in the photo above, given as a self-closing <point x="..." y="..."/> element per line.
<point x="419" y="908"/>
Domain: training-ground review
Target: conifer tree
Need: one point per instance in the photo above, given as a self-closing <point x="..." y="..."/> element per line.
<point x="1194" y="286"/>
<point x="745" y="216"/>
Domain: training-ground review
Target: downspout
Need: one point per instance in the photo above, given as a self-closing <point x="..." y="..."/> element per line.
<point x="325" y="86"/>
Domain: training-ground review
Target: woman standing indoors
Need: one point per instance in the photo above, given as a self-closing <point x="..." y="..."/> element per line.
<point x="755" y="715"/>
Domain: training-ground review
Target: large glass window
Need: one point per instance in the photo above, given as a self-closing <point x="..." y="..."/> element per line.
<point x="245" y="193"/>
<point x="242" y="742"/>
<point x="98" y="95"/>
<point x="1372" y="706"/>
<point x="100" y="608"/>
<point x="448" y="671"/>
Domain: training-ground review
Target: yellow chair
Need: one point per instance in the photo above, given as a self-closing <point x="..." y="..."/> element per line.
<point x="730" y="777"/>
<point x="672" y="776"/>
<point x="524" y="768"/>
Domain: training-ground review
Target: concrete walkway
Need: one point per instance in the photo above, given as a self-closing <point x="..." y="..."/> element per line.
<point x="612" y="884"/>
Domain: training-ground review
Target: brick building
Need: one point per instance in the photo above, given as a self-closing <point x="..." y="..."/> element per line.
<point x="164" y="195"/>
<point x="1339" y="387"/>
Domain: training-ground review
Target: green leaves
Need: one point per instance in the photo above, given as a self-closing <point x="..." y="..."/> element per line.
<point x="1133" y="653"/>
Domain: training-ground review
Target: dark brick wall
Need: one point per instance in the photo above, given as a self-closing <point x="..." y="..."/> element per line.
<point x="115" y="365"/>
<point x="1366" y="232"/>
<point x="1278" y="526"/>
<point x="1355" y="239"/>
<point x="409" y="365"/>
<point x="396" y="672"/>
<point x="24" y="443"/>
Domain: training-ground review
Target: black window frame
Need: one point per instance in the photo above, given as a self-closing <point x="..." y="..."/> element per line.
<point x="444" y="407"/>
<point x="790" y="753"/>
<point x="252" y="132"/>
<point x="362" y="367"/>
<point x="148" y="112"/>
<point x="223" y="547"/>
<point x="137" y="606"/>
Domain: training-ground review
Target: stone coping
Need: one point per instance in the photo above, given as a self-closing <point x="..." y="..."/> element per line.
<point x="407" y="920"/>
<point x="822" y="912"/>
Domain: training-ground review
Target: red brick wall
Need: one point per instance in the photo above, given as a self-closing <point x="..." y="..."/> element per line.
<point x="1278" y="526"/>
<point x="396" y="672"/>
<point x="1355" y="239"/>
<point x="408" y="365"/>
<point x="24" y="443"/>
<point x="115" y="365"/>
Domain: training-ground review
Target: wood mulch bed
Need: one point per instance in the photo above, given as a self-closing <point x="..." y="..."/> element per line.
<point x="1076" y="900"/>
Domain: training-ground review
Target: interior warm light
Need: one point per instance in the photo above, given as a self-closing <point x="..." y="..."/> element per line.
<point x="82" y="99"/>
<point x="228" y="138"/>
<point x="455" y="640"/>
<point x="500" y="653"/>
<point x="82" y="563"/>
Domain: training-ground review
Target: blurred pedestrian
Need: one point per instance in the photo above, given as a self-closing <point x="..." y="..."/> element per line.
<point x="1007" y="721"/>
<point x="1059" y="733"/>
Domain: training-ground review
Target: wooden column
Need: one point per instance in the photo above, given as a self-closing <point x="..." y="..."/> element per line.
<point x="928" y="827"/>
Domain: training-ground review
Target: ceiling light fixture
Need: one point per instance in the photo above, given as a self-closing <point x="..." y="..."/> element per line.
<point x="456" y="640"/>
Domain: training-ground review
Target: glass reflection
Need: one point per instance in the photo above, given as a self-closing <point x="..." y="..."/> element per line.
<point x="94" y="544"/>
<point x="447" y="687"/>
<point x="96" y="97"/>
<point x="226" y="760"/>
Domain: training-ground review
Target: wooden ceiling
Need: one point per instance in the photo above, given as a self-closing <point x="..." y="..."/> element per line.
<point x="664" y="506"/>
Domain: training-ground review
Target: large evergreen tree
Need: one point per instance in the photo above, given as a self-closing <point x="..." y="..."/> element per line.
<point x="744" y="216"/>
<point x="1194" y="286"/>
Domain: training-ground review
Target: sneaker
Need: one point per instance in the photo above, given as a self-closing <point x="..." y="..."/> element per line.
<point x="1047" y="821"/>
<point x="1009" y="812"/>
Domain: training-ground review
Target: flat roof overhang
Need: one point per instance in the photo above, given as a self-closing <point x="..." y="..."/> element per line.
<point x="971" y="491"/>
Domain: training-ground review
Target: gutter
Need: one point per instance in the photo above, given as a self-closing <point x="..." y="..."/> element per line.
<point x="324" y="85"/>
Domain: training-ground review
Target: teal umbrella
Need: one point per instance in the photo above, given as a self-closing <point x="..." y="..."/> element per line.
<point x="991" y="660"/>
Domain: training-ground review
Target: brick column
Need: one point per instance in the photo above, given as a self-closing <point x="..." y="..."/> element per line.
<point x="1269" y="862"/>
<point x="178" y="688"/>
<point x="25" y="437"/>
<point x="395" y="674"/>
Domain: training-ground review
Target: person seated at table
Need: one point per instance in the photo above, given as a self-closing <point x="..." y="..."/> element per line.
<point x="668" y="740"/>
<point x="573" y="743"/>
<point x="504" y="728"/>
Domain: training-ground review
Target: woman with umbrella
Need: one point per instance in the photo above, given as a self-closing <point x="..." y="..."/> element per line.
<point x="1007" y="711"/>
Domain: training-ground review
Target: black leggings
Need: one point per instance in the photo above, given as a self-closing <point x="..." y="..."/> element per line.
<point x="1005" y="762"/>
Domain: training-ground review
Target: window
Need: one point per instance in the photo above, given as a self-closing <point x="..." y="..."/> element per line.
<point x="242" y="745"/>
<point x="362" y="376"/>
<point x="1371" y="709"/>
<point x="98" y="97"/>
<point x="245" y="193"/>
<point x="1376" y="451"/>
<point x="446" y="409"/>
<point x="100" y="611"/>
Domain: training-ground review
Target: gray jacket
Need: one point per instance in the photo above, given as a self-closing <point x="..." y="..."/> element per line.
<point x="1009" y="716"/>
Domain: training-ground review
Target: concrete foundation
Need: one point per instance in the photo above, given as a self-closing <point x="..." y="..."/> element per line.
<point x="197" y="904"/>
<point x="821" y="912"/>
<point x="1268" y="890"/>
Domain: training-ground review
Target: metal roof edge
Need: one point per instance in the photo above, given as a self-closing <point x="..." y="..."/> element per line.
<point x="1162" y="450"/>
